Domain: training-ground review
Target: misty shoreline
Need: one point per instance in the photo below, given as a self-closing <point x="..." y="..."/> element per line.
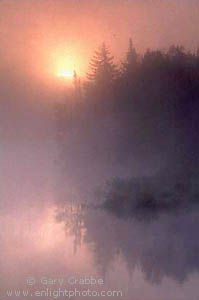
<point x="128" y="197"/>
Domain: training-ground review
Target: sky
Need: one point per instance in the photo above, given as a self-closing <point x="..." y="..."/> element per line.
<point x="42" y="38"/>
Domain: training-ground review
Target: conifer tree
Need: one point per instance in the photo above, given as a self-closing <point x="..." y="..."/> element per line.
<point x="102" y="68"/>
<point x="131" y="61"/>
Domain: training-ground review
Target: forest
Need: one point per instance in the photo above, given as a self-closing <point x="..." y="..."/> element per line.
<point x="137" y="123"/>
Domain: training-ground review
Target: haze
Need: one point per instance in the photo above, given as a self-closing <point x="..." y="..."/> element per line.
<point x="100" y="177"/>
<point x="37" y="36"/>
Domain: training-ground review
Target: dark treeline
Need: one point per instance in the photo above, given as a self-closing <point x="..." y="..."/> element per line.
<point x="144" y="110"/>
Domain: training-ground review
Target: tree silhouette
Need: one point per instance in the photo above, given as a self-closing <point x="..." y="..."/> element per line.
<point x="102" y="68"/>
<point x="131" y="60"/>
<point x="77" y="86"/>
<point x="148" y="112"/>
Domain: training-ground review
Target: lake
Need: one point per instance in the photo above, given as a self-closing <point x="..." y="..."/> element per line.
<point x="51" y="245"/>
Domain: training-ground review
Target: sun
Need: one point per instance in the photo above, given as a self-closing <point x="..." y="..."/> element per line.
<point x="63" y="63"/>
<point x="66" y="74"/>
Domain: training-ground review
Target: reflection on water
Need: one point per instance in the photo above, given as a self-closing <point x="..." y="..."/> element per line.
<point x="152" y="259"/>
<point x="73" y="218"/>
<point x="163" y="247"/>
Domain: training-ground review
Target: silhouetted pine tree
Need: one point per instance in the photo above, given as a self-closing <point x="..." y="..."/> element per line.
<point x="131" y="60"/>
<point x="102" y="69"/>
<point x="77" y="87"/>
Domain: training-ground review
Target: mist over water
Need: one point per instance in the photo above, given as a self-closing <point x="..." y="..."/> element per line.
<point x="45" y="232"/>
<point x="99" y="178"/>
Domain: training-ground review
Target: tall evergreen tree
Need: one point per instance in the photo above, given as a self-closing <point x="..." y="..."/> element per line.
<point x="131" y="61"/>
<point x="77" y="86"/>
<point x="102" y="68"/>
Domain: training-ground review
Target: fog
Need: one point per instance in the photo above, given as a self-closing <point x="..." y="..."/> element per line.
<point x="35" y="34"/>
<point x="99" y="176"/>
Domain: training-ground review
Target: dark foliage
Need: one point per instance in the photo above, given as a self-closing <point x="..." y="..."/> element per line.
<point x="149" y="108"/>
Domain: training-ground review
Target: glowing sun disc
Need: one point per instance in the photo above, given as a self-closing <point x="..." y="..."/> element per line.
<point x="66" y="74"/>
